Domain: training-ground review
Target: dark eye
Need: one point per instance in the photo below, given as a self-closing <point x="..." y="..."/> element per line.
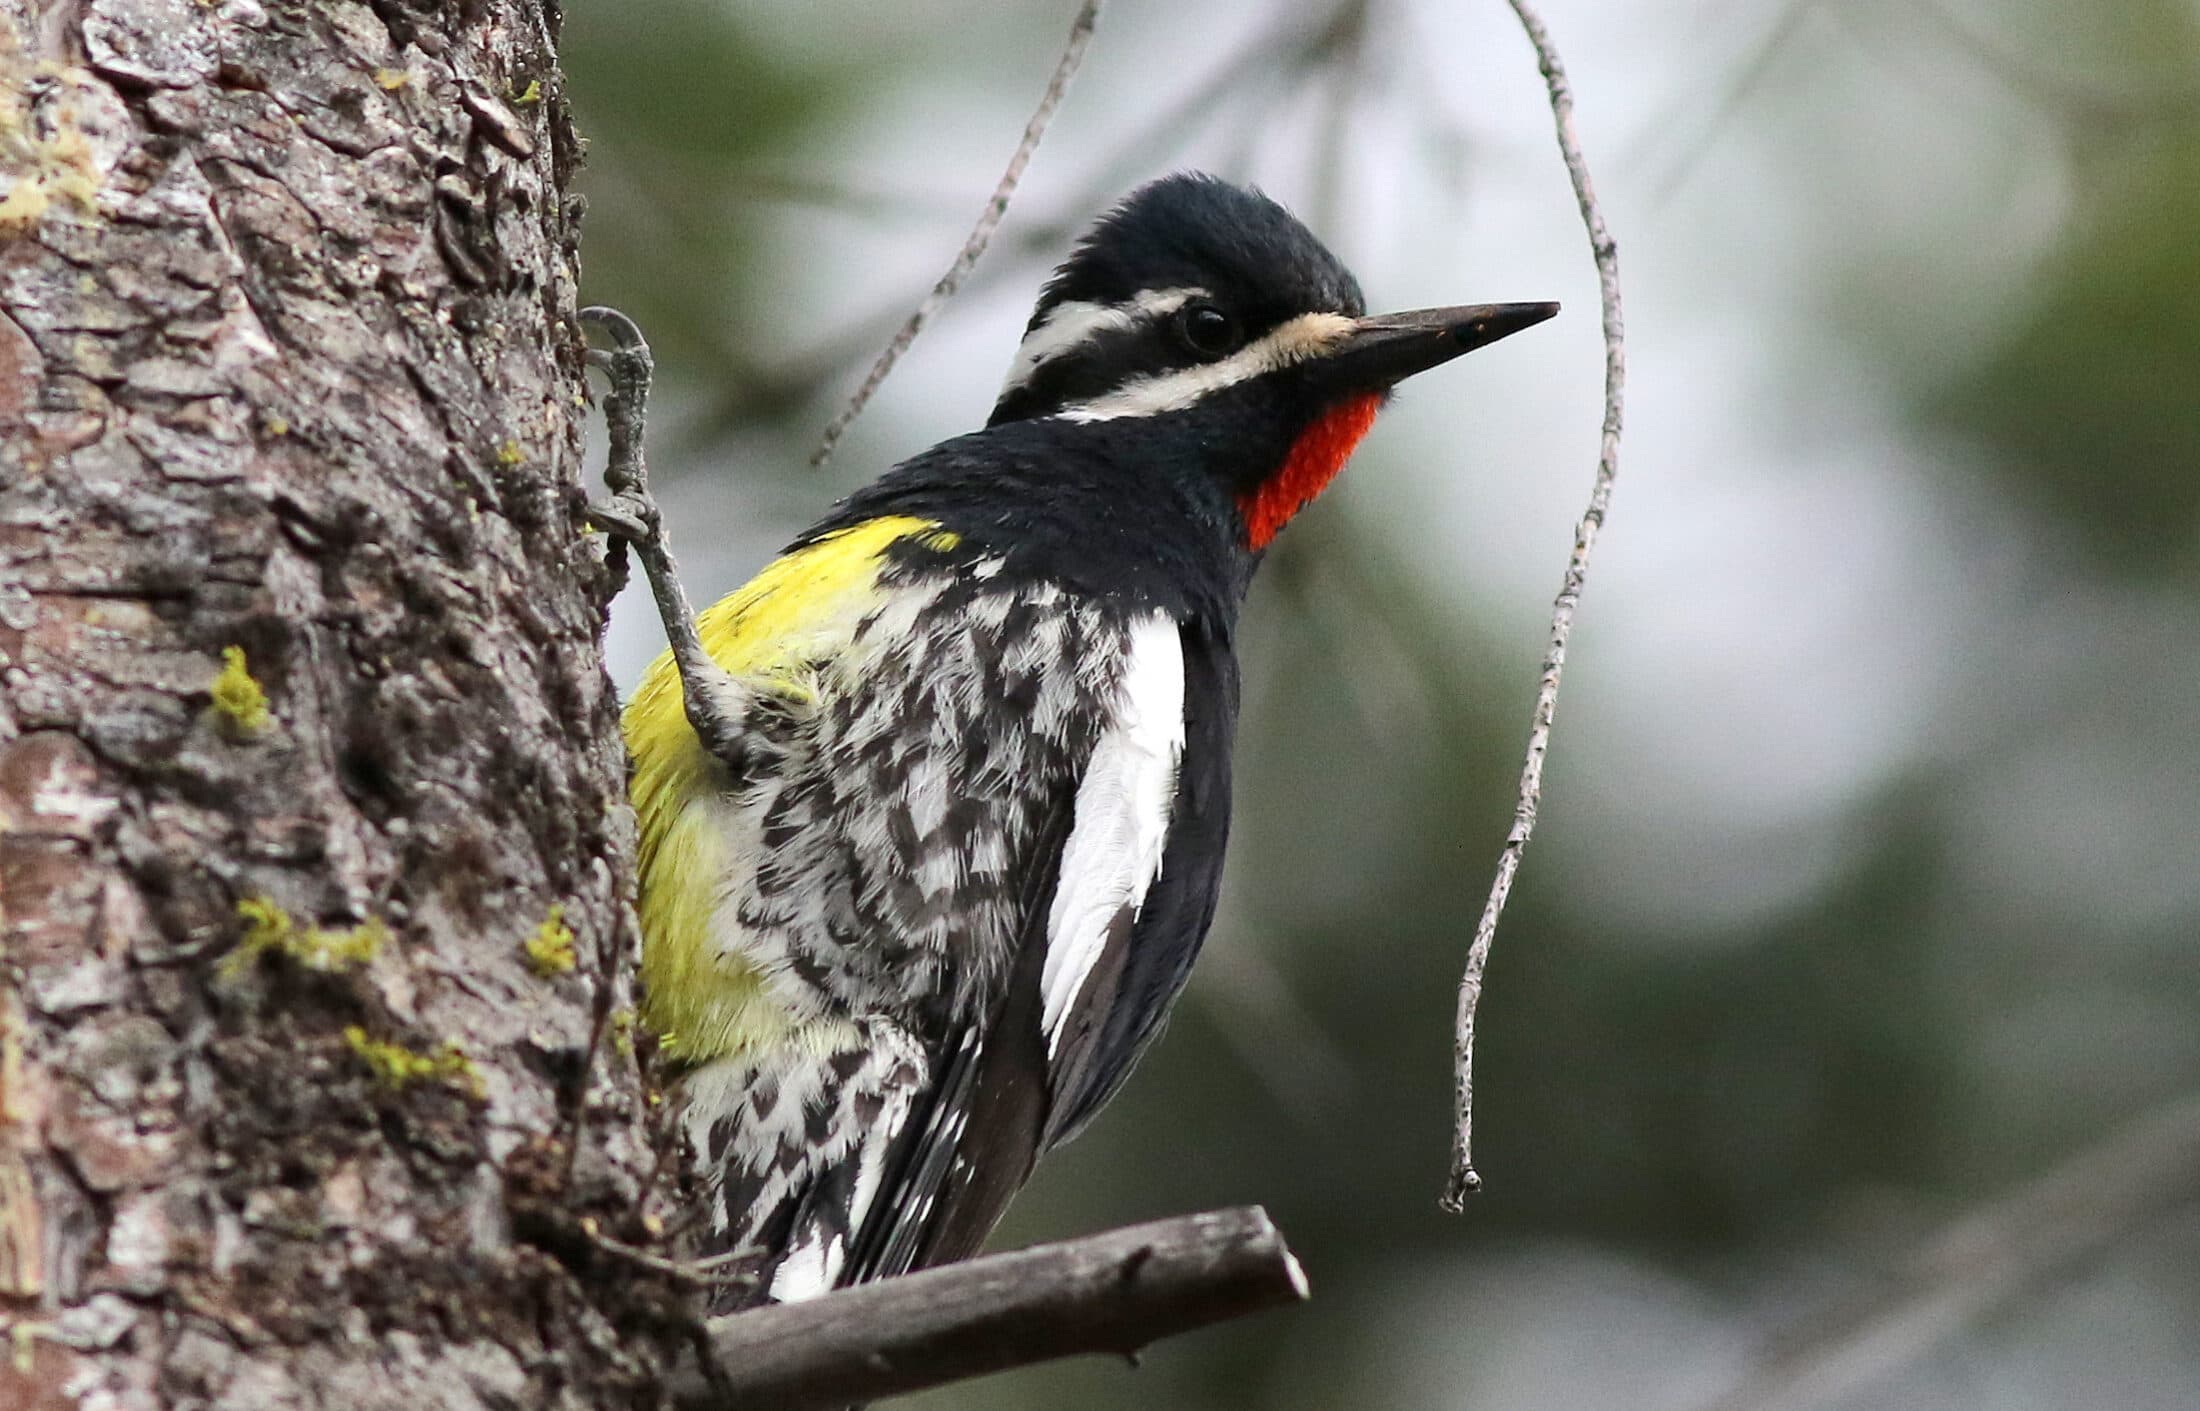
<point x="1206" y="330"/>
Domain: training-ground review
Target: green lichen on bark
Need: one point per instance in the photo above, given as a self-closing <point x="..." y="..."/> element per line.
<point x="270" y="931"/>
<point x="550" y="948"/>
<point x="239" y="698"/>
<point x="396" y="1066"/>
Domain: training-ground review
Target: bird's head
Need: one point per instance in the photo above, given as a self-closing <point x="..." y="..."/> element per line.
<point x="1203" y="307"/>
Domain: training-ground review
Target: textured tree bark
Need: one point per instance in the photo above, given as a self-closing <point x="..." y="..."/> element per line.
<point x="309" y="945"/>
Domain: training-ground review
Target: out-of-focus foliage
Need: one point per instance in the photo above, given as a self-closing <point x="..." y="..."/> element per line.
<point x="681" y="99"/>
<point x="2090" y="404"/>
<point x="1868" y="882"/>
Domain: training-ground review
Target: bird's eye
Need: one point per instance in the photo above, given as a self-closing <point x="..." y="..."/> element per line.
<point x="1206" y="330"/>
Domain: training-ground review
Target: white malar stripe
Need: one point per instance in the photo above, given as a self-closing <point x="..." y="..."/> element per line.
<point x="1122" y="820"/>
<point x="1078" y="321"/>
<point x="1292" y="341"/>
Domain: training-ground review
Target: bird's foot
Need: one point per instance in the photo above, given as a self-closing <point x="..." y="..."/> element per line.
<point x="631" y="513"/>
<point x="629" y="368"/>
<point x="715" y="701"/>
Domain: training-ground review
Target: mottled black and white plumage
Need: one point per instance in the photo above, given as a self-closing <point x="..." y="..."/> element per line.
<point x="911" y="924"/>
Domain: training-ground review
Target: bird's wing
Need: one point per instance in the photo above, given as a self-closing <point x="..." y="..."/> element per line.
<point x="1120" y="888"/>
<point x="1123" y="961"/>
<point x="971" y="1141"/>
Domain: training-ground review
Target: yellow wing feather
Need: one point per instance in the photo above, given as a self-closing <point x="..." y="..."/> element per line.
<point x="702" y="999"/>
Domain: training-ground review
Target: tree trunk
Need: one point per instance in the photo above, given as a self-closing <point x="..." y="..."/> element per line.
<point x="313" y="834"/>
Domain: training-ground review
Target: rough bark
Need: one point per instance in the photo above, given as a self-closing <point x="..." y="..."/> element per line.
<point x="288" y="1104"/>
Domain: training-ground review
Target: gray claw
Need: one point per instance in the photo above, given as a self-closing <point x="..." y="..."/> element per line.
<point x="623" y="330"/>
<point x="616" y="518"/>
<point x="625" y="526"/>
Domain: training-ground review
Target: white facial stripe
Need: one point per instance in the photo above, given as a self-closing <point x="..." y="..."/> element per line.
<point x="1072" y="324"/>
<point x="1292" y="341"/>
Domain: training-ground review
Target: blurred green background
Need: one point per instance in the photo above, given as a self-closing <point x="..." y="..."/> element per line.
<point x="1867" y="884"/>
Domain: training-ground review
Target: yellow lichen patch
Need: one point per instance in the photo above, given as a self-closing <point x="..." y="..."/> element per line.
<point x="268" y="930"/>
<point x="22" y="206"/>
<point x="396" y="1065"/>
<point x="23" y="1343"/>
<point x="532" y="93"/>
<point x="550" y="949"/>
<point x="14" y="1092"/>
<point x="72" y="167"/>
<point x="510" y="455"/>
<point x="275" y="425"/>
<point x="237" y="696"/>
<point x="622" y="1031"/>
<point x="390" y="80"/>
<point x="42" y="167"/>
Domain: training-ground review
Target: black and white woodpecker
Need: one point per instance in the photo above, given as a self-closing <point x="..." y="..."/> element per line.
<point x="932" y="811"/>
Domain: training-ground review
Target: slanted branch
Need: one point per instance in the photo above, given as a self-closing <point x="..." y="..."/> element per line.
<point x="1113" y="1293"/>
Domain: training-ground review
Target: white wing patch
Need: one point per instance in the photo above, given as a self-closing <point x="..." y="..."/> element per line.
<point x="1122" y="818"/>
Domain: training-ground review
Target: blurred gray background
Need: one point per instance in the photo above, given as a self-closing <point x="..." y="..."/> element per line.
<point x="1866" y="888"/>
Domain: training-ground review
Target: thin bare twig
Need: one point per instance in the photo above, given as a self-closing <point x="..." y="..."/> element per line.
<point x="1277" y="58"/>
<point x="1987" y="1260"/>
<point x="1278" y="1039"/>
<point x="713" y="1272"/>
<point x="2042" y="85"/>
<point x="1109" y="1293"/>
<point x="1327" y="203"/>
<point x="1748" y="76"/>
<point x="1464" y="1179"/>
<point x="981" y="234"/>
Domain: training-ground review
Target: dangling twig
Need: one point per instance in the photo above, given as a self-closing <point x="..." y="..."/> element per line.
<point x="1464" y="1178"/>
<point x="981" y="234"/>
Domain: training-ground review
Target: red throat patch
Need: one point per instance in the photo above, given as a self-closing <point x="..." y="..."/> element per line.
<point x="1316" y="457"/>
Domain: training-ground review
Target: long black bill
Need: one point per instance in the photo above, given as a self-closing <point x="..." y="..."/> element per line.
<point x="1388" y="348"/>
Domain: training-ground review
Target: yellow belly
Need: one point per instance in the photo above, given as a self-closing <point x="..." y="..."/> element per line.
<point x="788" y="632"/>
